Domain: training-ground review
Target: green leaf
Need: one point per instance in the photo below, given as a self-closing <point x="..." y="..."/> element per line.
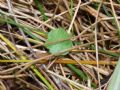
<point x="57" y="42"/>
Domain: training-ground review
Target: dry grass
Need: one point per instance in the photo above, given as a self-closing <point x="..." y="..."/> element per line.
<point x="95" y="29"/>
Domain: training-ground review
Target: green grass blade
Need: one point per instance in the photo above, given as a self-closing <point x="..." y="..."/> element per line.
<point x="12" y="22"/>
<point x="106" y="52"/>
<point x="42" y="78"/>
<point x="40" y="7"/>
<point x="31" y="34"/>
<point x="71" y="8"/>
<point x="106" y="11"/>
<point x="10" y="44"/>
<point x="78" y="72"/>
<point x="114" y="83"/>
<point x="109" y="53"/>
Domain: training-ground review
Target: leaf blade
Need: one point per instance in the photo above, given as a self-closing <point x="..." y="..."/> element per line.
<point x="58" y="36"/>
<point x="115" y="81"/>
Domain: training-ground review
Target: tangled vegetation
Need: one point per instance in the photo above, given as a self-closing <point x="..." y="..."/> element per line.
<point x="59" y="44"/>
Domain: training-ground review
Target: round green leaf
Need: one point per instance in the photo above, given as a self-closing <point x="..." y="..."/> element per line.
<point x="56" y="41"/>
